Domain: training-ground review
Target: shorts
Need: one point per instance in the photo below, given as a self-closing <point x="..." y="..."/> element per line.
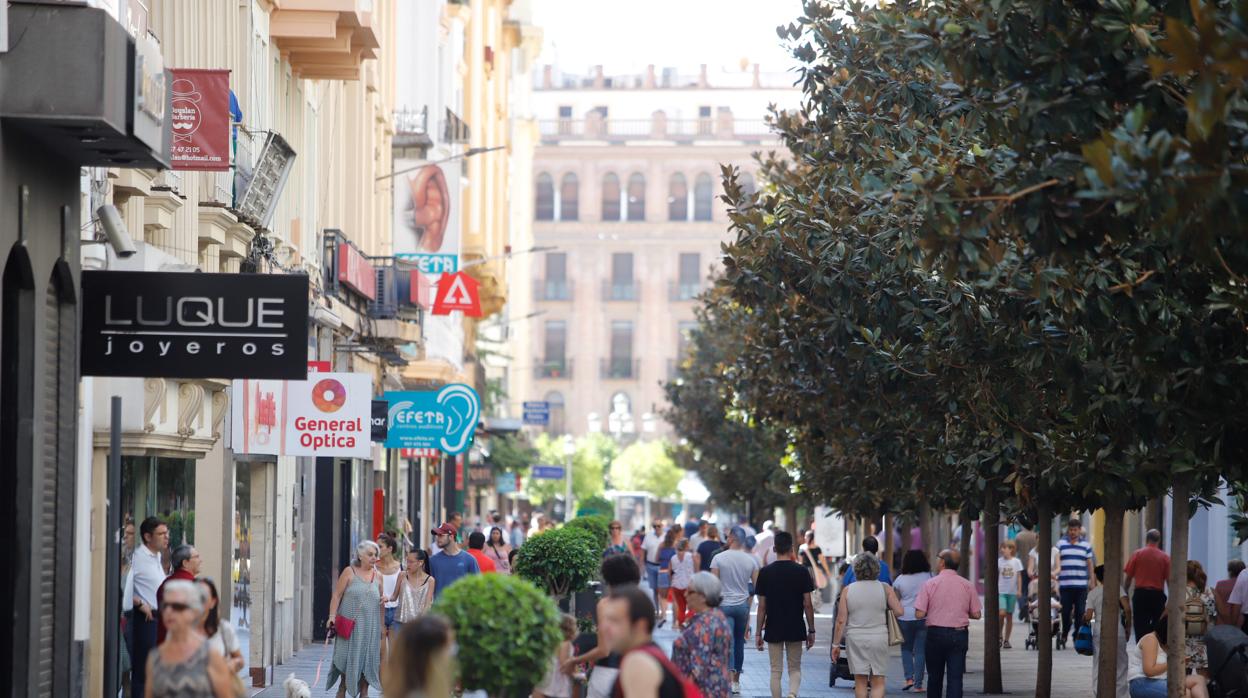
<point x="1007" y="602"/>
<point x="1145" y="687"/>
<point x="664" y="580"/>
<point x="652" y="575"/>
<point x="390" y="614"/>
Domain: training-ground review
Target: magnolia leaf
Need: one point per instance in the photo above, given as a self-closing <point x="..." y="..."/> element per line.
<point x="1098" y="156"/>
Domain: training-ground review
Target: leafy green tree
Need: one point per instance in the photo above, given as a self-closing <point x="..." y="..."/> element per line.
<point x="561" y="561"/>
<point x="506" y="629"/>
<point x="512" y="453"/>
<point x="646" y="466"/>
<point x="589" y="464"/>
<point x="597" y="526"/>
<point x="596" y="505"/>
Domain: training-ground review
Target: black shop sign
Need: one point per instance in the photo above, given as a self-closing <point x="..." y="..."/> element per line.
<point x="192" y="325"/>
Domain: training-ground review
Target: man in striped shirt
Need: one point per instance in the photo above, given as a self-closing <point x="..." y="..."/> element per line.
<point x="1075" y="578"/>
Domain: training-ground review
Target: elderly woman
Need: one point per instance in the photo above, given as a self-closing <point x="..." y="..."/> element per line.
<point x="184" y="666"/>
<point x="862" y="620"/>
<point x="357" y="599"/>
<point x="703" y="651"/>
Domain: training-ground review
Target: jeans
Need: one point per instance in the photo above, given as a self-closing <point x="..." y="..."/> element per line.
<point x="1074" y="602"/>
<point x="1144" y="687"/>
<point x="946" y="652"/>
<point x="143" y="641"/>
<point x="652" y="576"/>
<point x="913" y="640"/>
<point x="1146" y="607"/>
<point x="776" y="651"/>
<point x="739" y="616"/>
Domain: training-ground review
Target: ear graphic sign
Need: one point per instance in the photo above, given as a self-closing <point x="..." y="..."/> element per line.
<point x="430" y="206"/>
<point x="462" y="408"/>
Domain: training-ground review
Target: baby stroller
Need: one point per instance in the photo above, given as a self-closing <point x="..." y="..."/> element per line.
<point x="1055" y="612"/>
<point x="1228" y="662"/>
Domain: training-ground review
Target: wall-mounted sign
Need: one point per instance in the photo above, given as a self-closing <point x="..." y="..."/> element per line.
<point x="546" y="472"/>
<point x="326" y="415"/>
<point x="431" y="264"/>
<point x="380" y="420"/>
<point x="507" y="483"/>
<point x="177" y="325"/>
<point x="480" y="475"/>
<point x="537" y="412"/>
<point x="444" y="419"/>
<point x="355" y="272"/>
<point x="458" y="291"/>
<point x="319" y="367"/>
<point x="411" y="453"/>
<point x="200" y="108"/>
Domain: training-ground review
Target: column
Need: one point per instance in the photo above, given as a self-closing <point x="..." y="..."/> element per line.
<point x="263" y="484"/>
<point x="214" y="520"/>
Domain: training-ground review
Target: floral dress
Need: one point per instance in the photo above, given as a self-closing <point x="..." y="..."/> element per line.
<point x="703" y="651"/>
<point x="1197" y="657"/>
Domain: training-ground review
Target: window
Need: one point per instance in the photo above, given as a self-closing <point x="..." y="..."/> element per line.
<point x="683" y="329"/>
<point x="636" y="197"/>
<point x="703" y="191"/>
<point x="610" y="197"/>
<point x="555" y="358"/>
<point x="622" y="286"/>
<point x="544" y="206"/>
<point x="705" y="126"/>
<point x="689" y="281"/>
<point x="565" y="112"/>
<point x="555" y="286"/>
<point x="565" y="121"/>
<point x="620" y="364"/>
<point x="678" y="198"/>
<point x="555" y="399"/>
<point x="569" y="197"/>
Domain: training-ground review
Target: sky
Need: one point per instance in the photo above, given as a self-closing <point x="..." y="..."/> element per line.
<point x="624" y="37"/>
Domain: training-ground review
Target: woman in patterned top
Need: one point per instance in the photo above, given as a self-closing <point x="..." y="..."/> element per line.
<point x="183" y="666"/>
<point x="616" y="544"/>
<point x="1198" y="593"/>
<point x="703" y="651"/>
<point x="357" y="597"/>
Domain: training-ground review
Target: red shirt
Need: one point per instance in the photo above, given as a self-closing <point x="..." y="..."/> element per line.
<point x="483" y="561"/>
<point x="160" y="598"/>
<point x="1149" y="566"/>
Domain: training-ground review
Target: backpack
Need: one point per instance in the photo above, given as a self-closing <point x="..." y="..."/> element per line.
<point x="688" y="688"/>
<point x="1083" y="640"/>
<point x="1195" y="616"/>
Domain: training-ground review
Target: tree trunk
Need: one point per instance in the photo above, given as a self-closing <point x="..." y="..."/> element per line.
<point x="992" y="602"/>
<point x="1178" y="585"/>
<point x="968" y="532"/>
<point x="927" y="532"/>
<point x="889" y="521"/>
<point x="905" y="528"/>
<point x="1044" y="663"/>
<point x="1106" y="670"/>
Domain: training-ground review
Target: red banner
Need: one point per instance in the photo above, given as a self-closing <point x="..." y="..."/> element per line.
<point x="458" y="291"/>
<point x="201" y="120"/>
<point x="355" y="272"/>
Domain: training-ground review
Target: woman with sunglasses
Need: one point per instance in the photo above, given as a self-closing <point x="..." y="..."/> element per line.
<point x="183" y="666"/>
<point x="616" y="544"/>
<point x="414" y="592"/>
<point x="357" y="598"/>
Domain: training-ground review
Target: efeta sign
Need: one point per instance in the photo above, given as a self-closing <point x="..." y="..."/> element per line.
<point x="444" y="419"/>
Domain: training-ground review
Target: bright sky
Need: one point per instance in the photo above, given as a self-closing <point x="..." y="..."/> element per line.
<point x="626" y="36"/>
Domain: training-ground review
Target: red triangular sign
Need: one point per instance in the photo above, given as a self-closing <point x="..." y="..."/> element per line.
<point x="458" y="291"/>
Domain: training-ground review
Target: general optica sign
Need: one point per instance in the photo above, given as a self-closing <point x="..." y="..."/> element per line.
<point x="327" y="415"/>
<point x="444" y="419"/>
<point x="200" y="106"/>
<point x="177" y="325"/>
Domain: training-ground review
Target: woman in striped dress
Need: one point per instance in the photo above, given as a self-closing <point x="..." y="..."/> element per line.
<point x="357" y="596"/>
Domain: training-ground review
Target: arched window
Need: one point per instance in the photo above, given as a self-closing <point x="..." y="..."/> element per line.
<point x="748" y="187"/>
<point x="544" y="206"/>
<point x="678" y="198"/>
<point x="555" y="399"/>
<point x="703" y="192"/>
<point x="610" y="197"/>
<point x="636" y="197"/>
<point x="569" y="197"/>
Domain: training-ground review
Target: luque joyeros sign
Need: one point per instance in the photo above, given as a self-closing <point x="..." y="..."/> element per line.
<point x="444" y="419"/>
<point x="178" y="325"/>
<point x="327" y="415"/>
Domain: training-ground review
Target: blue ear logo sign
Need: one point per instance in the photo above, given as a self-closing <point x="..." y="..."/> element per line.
<point x="444" y="419"/>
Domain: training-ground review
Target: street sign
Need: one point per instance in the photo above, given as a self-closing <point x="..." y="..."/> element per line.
<point x="458" y="291"/>
<point x="445" y="419"/>
<point x="537" y="413"/>
<point x="547" y="472"/>
<point x="507" y="483"/>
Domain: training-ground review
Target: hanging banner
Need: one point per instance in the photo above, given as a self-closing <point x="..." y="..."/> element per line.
<point x="458" y="291"/>
<point x="200" y="103"/>
<point x="327" y="415"/>
<point x="176" y="325"/>
<point x="445" y="419"/>
<point x="381" y="420"/>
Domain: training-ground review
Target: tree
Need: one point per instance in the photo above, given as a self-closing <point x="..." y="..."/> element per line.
<point x="646" y="466"/>
<point x="597" y="526"/>
<point x="589" y="463"/>
<point x="512" y="453"/>
<point x="562" y="561"/>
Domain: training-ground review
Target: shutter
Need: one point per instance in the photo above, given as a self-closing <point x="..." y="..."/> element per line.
<point x="47" y="489"/>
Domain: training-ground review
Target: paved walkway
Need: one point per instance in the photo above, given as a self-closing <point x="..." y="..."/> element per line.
<point x="1072" y="673"/>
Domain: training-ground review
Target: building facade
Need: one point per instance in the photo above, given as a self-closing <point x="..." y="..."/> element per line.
<point x="627" y="180"/>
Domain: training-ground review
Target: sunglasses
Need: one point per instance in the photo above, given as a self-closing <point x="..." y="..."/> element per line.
<point x="175" y="607"/>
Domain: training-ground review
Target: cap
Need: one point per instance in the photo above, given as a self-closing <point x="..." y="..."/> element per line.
<point x="445" y="529"/>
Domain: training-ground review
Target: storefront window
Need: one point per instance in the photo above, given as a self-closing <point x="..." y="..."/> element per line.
<point x="242" y="545"/>
<point x="161" y="487"/>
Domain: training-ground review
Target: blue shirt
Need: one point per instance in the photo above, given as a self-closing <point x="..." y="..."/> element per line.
<point x="1074" y="563"/>
<point x="448" y="569"/>
<point x="850" y="578"/>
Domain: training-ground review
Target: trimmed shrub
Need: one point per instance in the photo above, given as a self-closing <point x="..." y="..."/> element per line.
<point x="562" y="561"/>
<point x="599" y="526"/>
<point x="506" y="629"/>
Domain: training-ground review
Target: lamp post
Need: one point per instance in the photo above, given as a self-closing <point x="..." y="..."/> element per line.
<point x="569" y="450"/>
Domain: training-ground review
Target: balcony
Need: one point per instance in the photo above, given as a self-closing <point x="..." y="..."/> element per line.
<point x="656" y="128"/>
<point x="553" y="368"/>
<point x="684" y="291"/>
<point x="619" y="290"/>
<point x="620" y="368"/>
<point x="325" y="39"/>
<point x="411" y="128"/>
<point x="552" y="289"/>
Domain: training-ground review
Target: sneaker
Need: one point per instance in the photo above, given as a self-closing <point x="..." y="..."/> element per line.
<point x="1006" y="645"/>
<point x="736" y="688"/>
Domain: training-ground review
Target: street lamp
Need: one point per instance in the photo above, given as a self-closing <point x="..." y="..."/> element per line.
<point x="569" y="450"/>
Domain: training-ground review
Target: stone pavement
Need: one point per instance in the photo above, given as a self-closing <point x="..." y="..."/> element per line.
<point x="1072" y="673"/>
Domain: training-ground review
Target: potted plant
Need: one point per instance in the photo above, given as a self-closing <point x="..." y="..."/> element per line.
<point x="506" y="629"/>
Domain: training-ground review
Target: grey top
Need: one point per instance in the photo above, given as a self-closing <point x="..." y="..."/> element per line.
<point x="185" y="679"/>
<point x="866" y="603"/>
<point x="735" y="571"/>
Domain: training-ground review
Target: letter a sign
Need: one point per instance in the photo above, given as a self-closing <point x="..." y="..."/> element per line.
<point x="458" y="291"/>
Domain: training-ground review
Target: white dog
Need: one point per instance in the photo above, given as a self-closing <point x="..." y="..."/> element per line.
<point x="296" y="688"/>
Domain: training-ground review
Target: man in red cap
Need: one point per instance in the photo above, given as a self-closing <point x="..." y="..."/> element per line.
<point x="451" y="562"/>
